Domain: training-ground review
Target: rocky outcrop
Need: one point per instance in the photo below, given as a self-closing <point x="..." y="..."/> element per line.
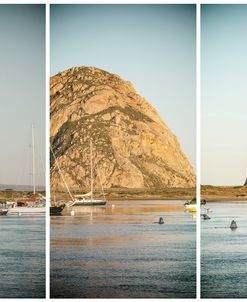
<point x="132" y="146"/>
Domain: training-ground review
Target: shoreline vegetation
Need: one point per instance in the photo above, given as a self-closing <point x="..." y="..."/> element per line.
<point x="210" y="193"/>
<point x="135" y="194"/>
<point x="224" y="193"/>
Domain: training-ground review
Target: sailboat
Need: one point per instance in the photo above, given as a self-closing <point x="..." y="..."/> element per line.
<point x="82" y="199"/>
<point x="31" y="205"/>
<point x="88" y="198"/>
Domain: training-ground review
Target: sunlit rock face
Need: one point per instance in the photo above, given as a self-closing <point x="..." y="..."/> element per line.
<point x="132" y="146"/>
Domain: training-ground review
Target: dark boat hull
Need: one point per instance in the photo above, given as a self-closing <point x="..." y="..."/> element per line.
<point x="56" y="210"/>
<point x="3" y="212"/>
<point x="95" y="203"/>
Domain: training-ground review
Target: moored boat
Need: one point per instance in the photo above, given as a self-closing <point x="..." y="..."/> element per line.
<point x="29" y="205"/>
<point x="57" y="209"/>
<point x="3" y="212"/>
<point x="82" y="199"/>
<point x="27" y="211"/>
<point x="190" y="206"/>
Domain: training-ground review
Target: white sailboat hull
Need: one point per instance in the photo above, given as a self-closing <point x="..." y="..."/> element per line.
<point x="89" y="202"/>
<point x="27" y="211"/>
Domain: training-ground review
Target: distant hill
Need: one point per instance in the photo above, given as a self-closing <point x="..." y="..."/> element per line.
<point x="132" y="146"/>
<point x="20" y="187"/>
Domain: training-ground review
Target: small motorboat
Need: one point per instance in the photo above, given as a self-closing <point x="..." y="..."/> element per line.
<point x="190" y="205"/>
<point x="57" y="209"/>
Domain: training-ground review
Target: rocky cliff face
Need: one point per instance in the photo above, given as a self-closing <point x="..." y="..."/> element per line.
<point x="132" y="147"/>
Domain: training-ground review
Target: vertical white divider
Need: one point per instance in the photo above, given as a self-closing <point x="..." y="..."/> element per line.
<point x="198" y="148"/>
<point x="47" y="65"/>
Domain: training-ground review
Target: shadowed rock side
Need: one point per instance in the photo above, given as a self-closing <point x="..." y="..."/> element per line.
<point x="132" y="147"/>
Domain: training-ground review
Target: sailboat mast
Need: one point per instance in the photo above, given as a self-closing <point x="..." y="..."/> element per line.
<point x="61" y="174"/>
<point x="91" y="163"/>
<point x="33" y="161"/>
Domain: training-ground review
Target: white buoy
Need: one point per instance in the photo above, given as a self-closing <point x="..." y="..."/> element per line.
<point x="72" y="213"/>
<point x="113" y="205"/>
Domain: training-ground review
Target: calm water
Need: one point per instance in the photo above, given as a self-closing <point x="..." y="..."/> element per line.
<point x="224" y="252"/>
<point x="22" y="257"/>
<point x="119" y="251"/>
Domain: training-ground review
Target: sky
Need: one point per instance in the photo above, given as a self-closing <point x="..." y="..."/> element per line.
<point x="22" y="93"/>
<point x="153" y="46"/>
<point x="224" y="94"/>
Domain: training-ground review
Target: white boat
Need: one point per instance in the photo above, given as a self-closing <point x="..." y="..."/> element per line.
<point x="88" y="199"/>
<point x="80" y="200"/>
<point x="190" y="208"/>
<point x="29" y="206"/>
<point x="190" y="205"/>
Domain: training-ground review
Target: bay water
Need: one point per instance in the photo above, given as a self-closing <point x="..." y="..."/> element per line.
<point x="224" y="252"/>
<point x="22" y="257"/>
<point x="120" y="251"/>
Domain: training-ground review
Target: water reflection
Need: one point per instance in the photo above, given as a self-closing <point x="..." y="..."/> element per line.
<point x="127" y="207"/>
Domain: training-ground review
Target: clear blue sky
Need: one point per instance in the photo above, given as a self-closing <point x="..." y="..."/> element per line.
<point x="224" y="94"/>
<point x="22" y="93"/>
<point x="153" y="46"/>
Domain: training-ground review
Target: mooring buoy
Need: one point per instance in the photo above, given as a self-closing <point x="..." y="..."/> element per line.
<point x="206" y="217"/>
<point x="233" y="225"/>
<point x="161" y="220"/>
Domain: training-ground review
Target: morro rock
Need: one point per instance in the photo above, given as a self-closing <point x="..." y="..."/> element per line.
<point x="132" y="146"/>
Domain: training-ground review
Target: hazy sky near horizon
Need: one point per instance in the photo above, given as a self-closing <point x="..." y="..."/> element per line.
<point x="224" y="94"/>
<point x="22" y="93"/>
<point x="153" y="46"/>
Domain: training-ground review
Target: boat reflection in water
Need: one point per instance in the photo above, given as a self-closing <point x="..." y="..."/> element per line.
<point x="78" y="210"/>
